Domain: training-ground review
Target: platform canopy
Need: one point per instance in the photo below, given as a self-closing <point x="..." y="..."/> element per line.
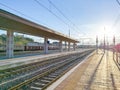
<point x="9" y="21"/>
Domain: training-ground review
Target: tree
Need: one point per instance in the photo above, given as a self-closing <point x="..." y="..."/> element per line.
<point x="18" y="40"/>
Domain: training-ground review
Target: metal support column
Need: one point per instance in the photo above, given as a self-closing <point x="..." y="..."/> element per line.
<point x="65" y="46"/>
<point x="10" y="44"/>
<point x="97" y="44"/>
<point x="68" y="46"/>
<point x="74" y="46"/>
<point x="113" y="47"/>
<point x="60" y="46"/>
<point x="45" y="45"/>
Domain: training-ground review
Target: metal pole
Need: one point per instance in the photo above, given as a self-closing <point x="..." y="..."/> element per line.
<point x="74" y="46"/>
<point x="69" y="32"/>
<point x="97" y="44"/>
<point x="107" y="45"/>
<point x="104" y="43"/>
<point x="68" y="46"/>
<point x="65" y="46"/>
<point x="60" y="46"/>
<point x="45" y="45"/>
<point x="113" y="46"/>
<point x="107" y="48"/>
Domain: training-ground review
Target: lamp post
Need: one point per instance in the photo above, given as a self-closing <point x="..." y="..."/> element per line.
<point x="113" y="46"/>
<point x="104" y="41"/>
<point x="69" y="32"/>
<point x="97" y="44"/>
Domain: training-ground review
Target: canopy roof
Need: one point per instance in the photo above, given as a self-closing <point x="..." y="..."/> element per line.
<point x="9" y="21"/>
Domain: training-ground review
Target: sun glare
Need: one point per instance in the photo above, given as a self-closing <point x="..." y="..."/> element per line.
<point x="106" y="31"/>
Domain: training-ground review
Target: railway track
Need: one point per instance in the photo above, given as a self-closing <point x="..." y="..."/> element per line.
<point x="39" y="75"/>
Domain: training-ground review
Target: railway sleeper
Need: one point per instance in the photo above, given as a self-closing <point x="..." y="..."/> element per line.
<point x="52" y="76"/>
<point x="24" y="67"/>
<point x="55" y="74"/>
<point x="38" y="84"/>
<point x="48" y="78"/>
<point x="35" y="88"/>
<point x="45" y="81"/>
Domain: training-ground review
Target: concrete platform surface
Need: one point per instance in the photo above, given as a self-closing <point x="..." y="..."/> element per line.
<point x="98" y="72"/>
<point x="7" y="63"/>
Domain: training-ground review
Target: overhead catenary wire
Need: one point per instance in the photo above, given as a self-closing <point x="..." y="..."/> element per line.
<point x="32" y="17"/>
<point x="118" y="2"/>
<point x="42" y="5"/>
<point x="21" y="13"/>
<point x="63" y="14"/>
<point x="59" y="11"/>
<point x="13" y="9"/>
<point x="51" y="12"/>
<point x="118" y="17"/>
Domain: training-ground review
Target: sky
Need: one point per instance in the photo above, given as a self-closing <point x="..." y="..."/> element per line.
<point x="90" y="18"/>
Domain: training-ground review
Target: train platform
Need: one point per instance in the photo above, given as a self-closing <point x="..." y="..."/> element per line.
<point x="7" y="63"/>
<point x="97" y="72"/>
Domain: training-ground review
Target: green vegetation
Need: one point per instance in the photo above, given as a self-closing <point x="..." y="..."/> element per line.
<point x="18" y="40"/>
<point x="2" y="39"/>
